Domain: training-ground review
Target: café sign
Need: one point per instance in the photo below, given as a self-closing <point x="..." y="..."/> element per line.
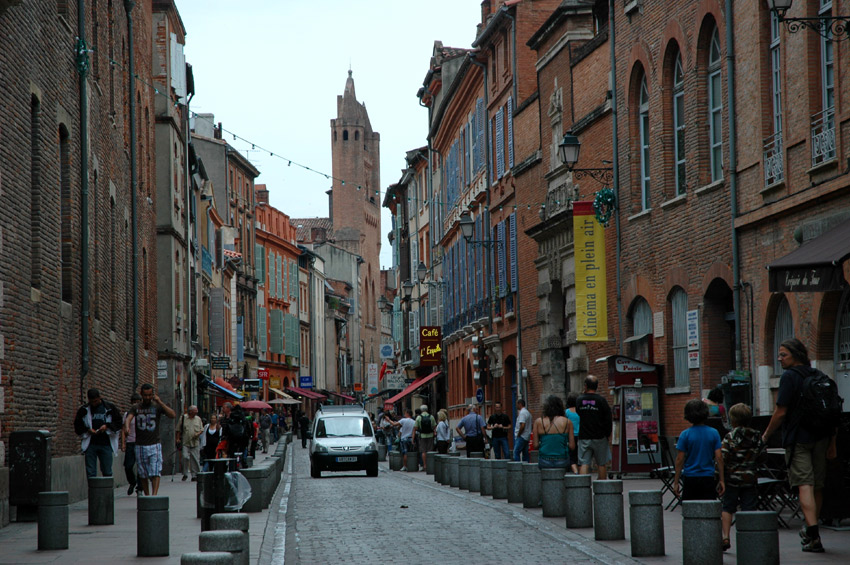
<point x="430" y="345"/>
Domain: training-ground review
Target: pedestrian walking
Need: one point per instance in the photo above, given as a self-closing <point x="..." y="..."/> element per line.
<point x="699" y="451"/>
<point x="304" y="426"/>
<point x="499" y="424"/>
<point x="189" y="430"/>
<point x="553" y="436"/>
<point x="265" y="430"/>
<point x="210" y="439"/>
<point x="806" y="415"/>
<point x="594" y="440"/>
<point x="522" y="432"/>
<point x="576" y="420"/>
<point x="275" y="428"/>
<point x="128" y="446"/>
<point x="406" y="426"/>
<point x="444" y="432"/>
<point x="98" y="422"/>
<point x="471" y="428"/>
<point x="424" y="429"/>
<point x="146" y="416"/>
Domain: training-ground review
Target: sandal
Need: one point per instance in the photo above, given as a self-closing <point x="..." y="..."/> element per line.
<point x="726" y="544"/>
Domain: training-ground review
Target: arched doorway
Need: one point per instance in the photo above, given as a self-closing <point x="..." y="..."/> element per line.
<point x="717" y="333"/>
<point x="842" y="347"/>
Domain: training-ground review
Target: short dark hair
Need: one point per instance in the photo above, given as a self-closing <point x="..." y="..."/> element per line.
<point x="716" y="395"/>
<point x="696" y="411"/>
<point x="146" y="386"/>
<point x="553" y="407"/>
<point x="135" y="397"/>
<point x="571" y="400"/>
<point x="93" y="393"/>
<point x="797" y="350"/>
<point x="520" y="402"/>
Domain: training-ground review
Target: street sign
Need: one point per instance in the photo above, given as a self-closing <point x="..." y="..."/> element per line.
<point x="387" y="351"/>
<point x="479" y="395"/>
<point x="394" y="380"/>
<point x="358" y="387"/>
<point x="263" y="374"/>
<point x="220" y="362"/>
<point x="305" y="381"/>
<point x="251" y="385"/>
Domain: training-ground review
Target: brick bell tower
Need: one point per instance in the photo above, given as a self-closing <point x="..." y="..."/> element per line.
<point x="355" y="209"/>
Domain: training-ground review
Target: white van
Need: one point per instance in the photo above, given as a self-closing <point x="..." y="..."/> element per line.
<point x="343" y="440"/>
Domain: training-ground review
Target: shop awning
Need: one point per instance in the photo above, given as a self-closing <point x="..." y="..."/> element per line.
<point x="412" y="387"/>
<point x="384" y="392"/>
<point x="222" y="390"/>
<point x="279" y="392"/>
<point x="815" y="266"/>
<point x="342" y="396"/>
<point x="306" y="393"/>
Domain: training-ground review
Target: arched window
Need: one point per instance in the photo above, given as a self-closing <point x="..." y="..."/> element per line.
<point x="783" y="329"/>
<point x="356" y="136"/>
<point x="641" y="317"/>
<point x="679" y="313"/>
<point x="345" y="135"/>
<point x="715" y="108"/>
<point x="823" y="124"/>
<point x="35" y="192"/>
<point x="65" y="234"/>
<point x="643" y="124"/>
<point x="679" y="124"/>
<point x="773" y="164"/>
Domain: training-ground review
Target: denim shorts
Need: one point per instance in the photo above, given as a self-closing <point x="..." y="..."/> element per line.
<point x="545" y="463"/>
<point x="748" y="496"/>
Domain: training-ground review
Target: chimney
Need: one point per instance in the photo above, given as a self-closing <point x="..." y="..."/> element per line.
<point x="218" y="131"/>
<point x="261" y="194"/>
<point x="204" y="124"/>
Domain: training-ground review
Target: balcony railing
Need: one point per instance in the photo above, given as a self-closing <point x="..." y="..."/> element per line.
<point x="823" y="137"/>
<point x="774" y="171"/>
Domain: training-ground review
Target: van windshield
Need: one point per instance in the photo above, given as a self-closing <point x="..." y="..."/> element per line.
<point x="344" y="426"/>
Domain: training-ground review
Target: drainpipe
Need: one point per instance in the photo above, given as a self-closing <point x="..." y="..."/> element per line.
<point x="82" y="68"/>
<point x="134" y="187"/>
<point x="616" y="165"/>
<point x="190" y="279"/>
<point x="733" y="181"/>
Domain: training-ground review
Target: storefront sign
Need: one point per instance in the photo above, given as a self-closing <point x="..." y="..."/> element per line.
<point x="430" y="346"/>
<point x="263" y="374"/>
<point x="220" y="362"/>
<point x="387" y="351"/>
<point x="693" y="359"/>
<point x="251" y="385"/>
<point x="394" y="381"/>
<point x="693" y="329"/>
<point x="305" y="381"/>
<point x="591" y="295"/>
<point x="372" y="378"/>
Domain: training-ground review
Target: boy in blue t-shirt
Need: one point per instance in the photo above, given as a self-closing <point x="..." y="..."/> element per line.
<point x="699" y="450"/>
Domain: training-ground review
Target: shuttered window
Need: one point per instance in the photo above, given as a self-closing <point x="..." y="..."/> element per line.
<point x="503" y="267"/>
<point x="514" y="273"/>
<point x="276" y="345"/>
<point x="500" y="143"/>
<point x="260" y="266"/>
<point x="783" y="329"/>
<point x="679" y="307"/>
<point x="510" y="110"/>
<point x="217" y="324"/>
<point x="261" y="329"/>
<point x="272" y="275"/>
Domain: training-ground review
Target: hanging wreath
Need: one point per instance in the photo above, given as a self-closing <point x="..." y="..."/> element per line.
<point x="603" y="205"/>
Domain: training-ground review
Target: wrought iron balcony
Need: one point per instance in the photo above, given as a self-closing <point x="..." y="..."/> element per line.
<point x="823" y="137"/>
<point x="774" y="169"/>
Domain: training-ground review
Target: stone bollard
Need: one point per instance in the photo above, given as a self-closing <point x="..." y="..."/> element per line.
<point x="646" y="523"/>
<point x="515" y="481"/>
<point x="255" y="479"/>
<point x="288" y="438"/>
<point x="223" y="540"/>
<point x="702" y="535"/>
<point x="203" y="485"/>
<point x="758" y="538"/>
<point x="485" y="470"/>
<point x="429" y="462"/>
<point x="438" y="467"/>
<point x="382" y="452"/>
<point x="454" y="471"/>
<point x="578" y="501"/>
<point x="476" y="455"/>
<point x="500" y="478"/>
<point x="552" y="492"/>
<point x="475" y="474"/>
<point x="463" y="473"/>
<point x="608" y="518"/>
<point x="395" y="461"/>
<point x="530" y="485"/>
<point x="249" y="462"/>
<point x="152" y="527"/>
<point x="101" y="501"/>
<point x="236" y="521"/>
<point x="206" y="558"/>
<point x="52" y="520"/>
<point x="411" y="461"/>
<point x="533" y="456"/>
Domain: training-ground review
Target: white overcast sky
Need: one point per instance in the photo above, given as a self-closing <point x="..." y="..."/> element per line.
<point x="270" y="71"/>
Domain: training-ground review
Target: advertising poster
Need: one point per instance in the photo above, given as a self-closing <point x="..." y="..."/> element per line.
<point x="591" y="295"/>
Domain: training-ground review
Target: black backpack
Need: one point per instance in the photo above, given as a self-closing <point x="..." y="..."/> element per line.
<point x="820" y="405"/>
<point x="237" y="428"/>
<point x="426" y="424"/>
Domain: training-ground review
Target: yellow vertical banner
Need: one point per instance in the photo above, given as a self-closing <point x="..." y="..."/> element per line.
<point x="591" y="292"/>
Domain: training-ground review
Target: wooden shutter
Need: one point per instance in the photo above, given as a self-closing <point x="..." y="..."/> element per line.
<point x="514" y="273"/>
<point x="260" y="256"/>
<point x="503" y="278"/>
<point x="482" y="131"/>
<point x="510" y="110"/>
<point x="261" y="328"/>
<point x="500" y="143"/>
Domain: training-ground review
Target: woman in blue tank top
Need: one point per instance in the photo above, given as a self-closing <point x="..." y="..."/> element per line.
<point x="553" y="436"/>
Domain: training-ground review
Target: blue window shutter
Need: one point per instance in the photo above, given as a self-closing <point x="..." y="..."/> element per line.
<point x="510" y="132"/>
<point x="500" y="143"/>
<point x="271" y="275"/>
<point x="473" y="161"/>
<point x="514" y="273"/>
<point x="464" y="281"/>
<point x="503" y="279"/>
<point x="482" y="131"/>
<point x="261" y="328"/>
<point x="279" y="276"/>
<point x="240" y="338"/>
<point x="479" y="260"/>
<point x="490" y="154"/>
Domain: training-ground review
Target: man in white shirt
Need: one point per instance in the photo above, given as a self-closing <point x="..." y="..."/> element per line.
<point x="406" y="426"/>
<point x="522" y="432"/>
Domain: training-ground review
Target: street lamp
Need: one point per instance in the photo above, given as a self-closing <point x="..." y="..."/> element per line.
<point x="829" y="27"/>
<point x="467" y="227"/>
<point x="407" y="287"/>
<point x="384" y="305"/>
<point x="421" y="271"/>
<point x="569" y="150"/>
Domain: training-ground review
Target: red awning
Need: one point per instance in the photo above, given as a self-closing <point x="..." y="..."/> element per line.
<point x="342" y="396"/>
<point x="418" y="383"/>
<point x="306" y="393"/>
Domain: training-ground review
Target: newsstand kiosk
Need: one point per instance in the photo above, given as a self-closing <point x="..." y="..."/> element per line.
<point x="634" y="443"/>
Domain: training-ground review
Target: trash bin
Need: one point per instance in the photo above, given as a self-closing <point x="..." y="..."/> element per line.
<point x="29" y="471"/>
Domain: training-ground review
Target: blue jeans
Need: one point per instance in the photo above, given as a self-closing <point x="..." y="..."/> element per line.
<point x="500" y="447"/>
<point x="521" y="449"/>
<point x="95" y="453"/>
<point x="406" y="445"/>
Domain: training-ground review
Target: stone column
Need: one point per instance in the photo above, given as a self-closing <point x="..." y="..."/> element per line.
<point x="500" y="478"/>
<point x="429" y="462"/>
<point x="101" y="501"/>
<point x="52" y="520"/>
<point x="475" y="474"/>
<point x="223" y="540"/>
<point x="530" y="485"/>
<point x="552" y="492"/>
<point x="702" y="534"/>
<point x="152" y="528"/>
<point x="608" y="518"/>
<point x="206" y="558"/>
<point x="515" y="481"/>
<point x="579" y="501"/>
<point x="411" y="461"/>
<point x="758" y="538"/>
<point x="203" y="487"/>
<point x="438" y="468"/>
<point x="454" y="471"/>
<point x="485" y="470"/>
<point x="463" y="473"/>
<point x="237" y="521"/>
<point x="646" y="523"/>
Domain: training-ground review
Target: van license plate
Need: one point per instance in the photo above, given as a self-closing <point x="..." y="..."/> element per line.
<point x="346" y="460"/>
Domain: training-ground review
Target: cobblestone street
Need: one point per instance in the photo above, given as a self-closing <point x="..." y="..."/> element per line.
<point x="350" y="518"/>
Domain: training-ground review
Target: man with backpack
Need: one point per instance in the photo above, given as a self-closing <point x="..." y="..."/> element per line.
<point x="808" y="408"/>
<point x="424" y="428"/>
<point x="234" y="429"/>
<point x="265" y="430"/>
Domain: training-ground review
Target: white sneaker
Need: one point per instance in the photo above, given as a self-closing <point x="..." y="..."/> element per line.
<point x="403" y="469"/>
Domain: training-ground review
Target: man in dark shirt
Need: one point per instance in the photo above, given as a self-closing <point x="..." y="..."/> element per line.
<point x="805" y="454"/>
<point x="594" y="429"/>
<point x="498" y="425"/>
<point x="98" y="422"/>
